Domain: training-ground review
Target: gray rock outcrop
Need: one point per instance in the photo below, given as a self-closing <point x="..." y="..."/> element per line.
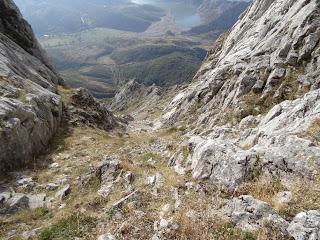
<point x="279" y="146"/>
<point x="84" y="109"/>
<point x="251" y="214"/>
<point x="273" y="44"/>
<point x="30" y="108"/>
<point x="305" y="226"/>
<point x="255" y="99"/>
<point x="138" y="97"/>
<point x="13" y="202"/>
<point x="223" y="163"/>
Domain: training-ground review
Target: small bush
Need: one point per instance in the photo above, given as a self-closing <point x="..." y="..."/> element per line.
<point x="254" y="105"/>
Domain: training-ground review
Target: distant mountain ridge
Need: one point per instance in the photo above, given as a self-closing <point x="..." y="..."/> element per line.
<point x="50" y="17"/>
<point x="210" y="10"/>
<point x="218" y="16"/>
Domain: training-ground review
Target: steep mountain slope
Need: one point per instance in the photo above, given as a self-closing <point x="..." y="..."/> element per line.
<point x="30" y="106"/>
<point x="264" y="54"/>
<point x="30" y="109"/>
<point x="237" y="156"/>
<point x="253" y="116"/>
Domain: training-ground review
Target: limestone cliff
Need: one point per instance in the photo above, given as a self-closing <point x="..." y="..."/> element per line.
<point x="253" y="114"/>
<point x="30" y="109"/>
<point x="254" y="107"/>
<point x="272" y="54"/>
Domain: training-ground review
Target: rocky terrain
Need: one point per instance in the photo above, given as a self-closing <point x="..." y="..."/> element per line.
<point x="233" y="155"/>
<point x="30" y="109"/>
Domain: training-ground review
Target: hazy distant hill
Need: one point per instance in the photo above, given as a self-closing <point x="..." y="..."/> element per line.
<point x="211" y="10"/>
<point x="223" y="16"/>
<point x="103" y="59"/>
<point x="60" y="16"/>
<point x="99" y="44"/>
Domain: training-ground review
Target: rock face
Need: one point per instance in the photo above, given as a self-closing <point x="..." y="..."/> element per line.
<point x="255" y="100"/>
<point x="18" y="30"/>
<point x="137" y="97"/>
<point x="272" y="50"/>
<point x="306" y="225"/>
<point x="223" y="163"/>
<point x="85" y="110"/>
<point x="30" y="109"/>
<point x="126" y="95"/>
<point x="251" y="214"/>
<point x="278" y="146"/>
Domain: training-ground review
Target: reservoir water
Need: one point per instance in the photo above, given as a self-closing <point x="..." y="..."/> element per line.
<point x="185" y="15"/>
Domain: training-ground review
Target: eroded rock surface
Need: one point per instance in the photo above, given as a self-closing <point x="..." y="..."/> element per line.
<point x="306" y="225"/>
<point x="85" y="110"/>
<point x="30" y="109"/>
<point x="273" y="44"/>
<point x="280" y="146"/>
<point x="252" y="214"/>
<point x="270" y="56"/>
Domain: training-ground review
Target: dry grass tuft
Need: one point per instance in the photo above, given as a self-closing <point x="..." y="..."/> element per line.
<point x="262" y="189"/>
<point x="314" y="131"/>
<point x="306" y="196"/>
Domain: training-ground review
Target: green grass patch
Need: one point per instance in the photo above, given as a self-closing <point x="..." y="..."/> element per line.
<point x="77" y="225"/>
<point x="172" y="130"/>
<point x="168" y="70"/>
<point x="22" y="97"/>
<point x="288" y="89"/>
<point x="146" y="156"/>
<point x="229" y="232"/>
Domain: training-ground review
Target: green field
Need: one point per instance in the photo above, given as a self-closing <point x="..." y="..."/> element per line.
<point x="102" y="60"/>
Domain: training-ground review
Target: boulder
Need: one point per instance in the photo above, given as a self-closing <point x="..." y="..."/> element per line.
<point x="63" y="193"/>
<point x="284" y="197"/>
<point x="107" y="173"/>
<point x="106" y="237"/>
<point x="223" y="163"/>
<point x="37" y="201"/>
<point x="251" y="214"/>
<point x="18" y="202"/>
<point x="85" y="110"/>
<point x="31" y="234"/>
<point x="305" y="226"/>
